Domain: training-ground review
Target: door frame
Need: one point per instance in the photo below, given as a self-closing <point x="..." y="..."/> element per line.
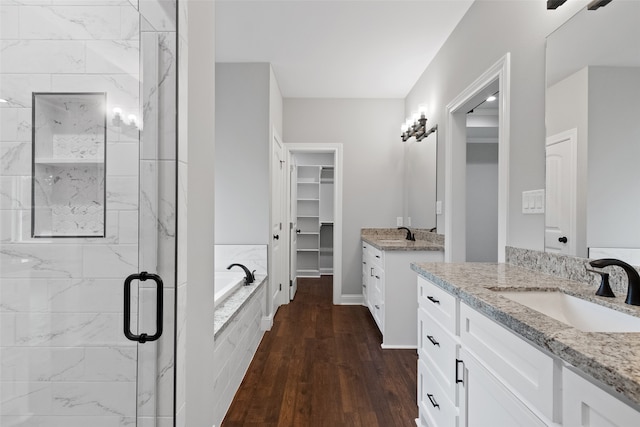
<point x="455" y="161"/>
<point x="336" y="150"/>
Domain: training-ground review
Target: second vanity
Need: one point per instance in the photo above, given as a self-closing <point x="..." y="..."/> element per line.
<point x="388" y="284"/>
<point x="485" y="359"/>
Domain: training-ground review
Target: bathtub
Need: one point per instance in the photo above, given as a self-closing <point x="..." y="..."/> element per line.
<point x="226" y="283"/>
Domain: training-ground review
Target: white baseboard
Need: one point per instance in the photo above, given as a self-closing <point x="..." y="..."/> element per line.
<point x="266" y="322"/>
<point x="398" y="347"/>
<point x="351" y="299"/>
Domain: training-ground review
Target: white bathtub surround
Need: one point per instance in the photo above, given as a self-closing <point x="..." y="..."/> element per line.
<point x="237" y="336"/>
<point x="254" y="257"/>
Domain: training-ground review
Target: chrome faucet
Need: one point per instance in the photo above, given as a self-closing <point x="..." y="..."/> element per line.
<point x="633" y="278"/>
<point x="410" y="235"/>
<point x="249" y="276"/>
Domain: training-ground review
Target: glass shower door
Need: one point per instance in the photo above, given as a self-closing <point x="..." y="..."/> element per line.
<point x="87" y="200"/>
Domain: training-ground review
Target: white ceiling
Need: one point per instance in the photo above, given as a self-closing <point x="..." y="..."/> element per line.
<point x="337" y="49"/>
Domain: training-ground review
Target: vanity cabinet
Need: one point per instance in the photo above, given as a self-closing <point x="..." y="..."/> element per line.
<point x="472" y="371"/>
<point x="583" y="403"/>
<point x="388" y="287"/>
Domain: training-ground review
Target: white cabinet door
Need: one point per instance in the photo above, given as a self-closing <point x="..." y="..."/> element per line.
<point x="585" y="404"/>
<point x="487" y="402"/>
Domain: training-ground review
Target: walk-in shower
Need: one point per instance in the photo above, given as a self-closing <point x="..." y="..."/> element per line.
<point x="87" y="199"/>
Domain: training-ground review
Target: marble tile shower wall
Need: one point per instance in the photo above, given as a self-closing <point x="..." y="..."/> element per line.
<point x="63" y="358"/>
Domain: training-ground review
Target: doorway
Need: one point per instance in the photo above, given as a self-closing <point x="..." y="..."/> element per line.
<point x="495" y="79"/>
<point x="314" y="210"/>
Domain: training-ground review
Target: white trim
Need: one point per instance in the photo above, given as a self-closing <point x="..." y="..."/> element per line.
<point x="337" y="151"/>
<point x="398" y="347"/>
<point x="266" y="322"/>
<point x="352" y="299"/>
<point x="501" y="71"/>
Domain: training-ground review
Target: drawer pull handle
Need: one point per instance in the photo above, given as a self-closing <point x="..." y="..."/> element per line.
<point x="364" y="286"/>
<point x="433" y="341"/>
<point x="458" y="379"/>
<point x="377" y="277"/>
<point x="371" y="273"/>
<point x="433" y="401"/>
<point x="433" y="300"/>
<point x="378" y="256"/>
<point x="377" y="307"/>
<point x="364" y="262"/>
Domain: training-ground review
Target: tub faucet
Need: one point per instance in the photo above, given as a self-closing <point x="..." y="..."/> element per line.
<point x="410" y="235"/>
<point x="633" y="278"/>
<point x="249" y="276"/>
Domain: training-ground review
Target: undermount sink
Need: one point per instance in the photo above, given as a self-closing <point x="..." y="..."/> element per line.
<point x="576" y="312"/>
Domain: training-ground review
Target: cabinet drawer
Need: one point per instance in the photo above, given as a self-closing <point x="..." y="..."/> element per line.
<point x="377" y="256"/>
<point x="584" y="403"/>
<point x="515" y="362"/>
<point x="439" y="349"/>
<point x="433" y="403"/>
<point x="441" y="305"/>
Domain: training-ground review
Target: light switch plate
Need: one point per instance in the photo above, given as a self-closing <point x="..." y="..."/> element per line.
<point x="533" y="202"/>
<point x="408" y="221"/>
<point x="399" y="221"/>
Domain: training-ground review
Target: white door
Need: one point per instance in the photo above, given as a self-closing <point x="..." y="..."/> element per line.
<point x="561" y="182"/>
<point x="278" y="234"/>
<point x="293" y="227"/>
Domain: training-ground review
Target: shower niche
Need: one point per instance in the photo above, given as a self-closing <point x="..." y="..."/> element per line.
<point x="69" y="153"/>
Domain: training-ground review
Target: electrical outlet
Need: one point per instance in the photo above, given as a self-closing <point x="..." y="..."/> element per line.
<point x="399" y="221"/>
<point x="408" y="221"/>
<point x="439" y="207"/>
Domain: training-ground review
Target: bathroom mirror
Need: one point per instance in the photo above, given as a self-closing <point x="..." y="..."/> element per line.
<point x="420" y="180"/>
<point x="593" y="133"/>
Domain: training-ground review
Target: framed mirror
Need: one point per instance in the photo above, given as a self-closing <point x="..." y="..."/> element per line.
<point x="593" y="134"/>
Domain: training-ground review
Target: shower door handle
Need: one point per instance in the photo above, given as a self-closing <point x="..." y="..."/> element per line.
<point x="143" y="276"/>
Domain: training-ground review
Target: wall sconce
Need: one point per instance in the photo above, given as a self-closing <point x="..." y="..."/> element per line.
<point x="417" y="126"/>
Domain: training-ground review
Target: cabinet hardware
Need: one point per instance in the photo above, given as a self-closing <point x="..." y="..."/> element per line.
<point x="377" y="277"/>
<point x="433" y="401"/>
<point x="562" y="239"/>
<point x="276" y="236"/>
<point x="458" y="379"/>
<point x="371" y="273"/>
<point x="433" y="340"/>
<point x="377" y="307"/>
<point x="433" y="300"/>
<point x="364" y="262"/>
<point x="378" y="256"/>
<point x="364" y="286"/>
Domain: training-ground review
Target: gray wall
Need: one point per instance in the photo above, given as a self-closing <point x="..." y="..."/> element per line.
<point x="613" y="207"/>
<point x="567" y="108"/>
<point x="373" y="163"/>
<point x="487" y="32"/>
<point x="243" y="105"/>
<point x="482" y="202"/>
<point x="195" y="204"/>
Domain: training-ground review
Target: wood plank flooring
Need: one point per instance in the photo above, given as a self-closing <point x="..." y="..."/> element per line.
<point x="322" y="365"/>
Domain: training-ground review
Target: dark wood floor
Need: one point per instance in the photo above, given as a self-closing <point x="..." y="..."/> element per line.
<point x="322" y="365"/>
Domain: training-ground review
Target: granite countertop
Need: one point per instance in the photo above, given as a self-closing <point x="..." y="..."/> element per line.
<point x="230" y="307"/>
<point x="612" y="358"/>
<point x="391" y="239"/>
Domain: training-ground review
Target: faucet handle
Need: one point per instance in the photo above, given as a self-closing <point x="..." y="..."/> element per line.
<point x="605" y="289"/>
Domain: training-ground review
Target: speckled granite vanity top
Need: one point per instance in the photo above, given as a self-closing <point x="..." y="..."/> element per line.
<point x="391" y="239"/>
<point x="612" y="358"/>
